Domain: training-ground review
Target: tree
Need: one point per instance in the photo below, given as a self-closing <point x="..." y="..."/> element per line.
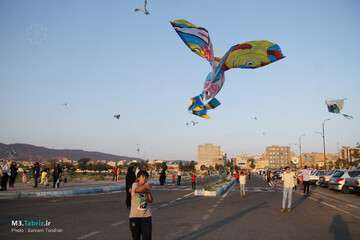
<point x="83" y="162"/>
<point x="181" y="166"/>
<point x="203" y="168"/>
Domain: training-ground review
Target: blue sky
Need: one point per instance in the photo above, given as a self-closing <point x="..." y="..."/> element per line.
<point x="103" y="58"/>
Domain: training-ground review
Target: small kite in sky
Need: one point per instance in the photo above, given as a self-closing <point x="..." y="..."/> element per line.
<point x="117" y="116"/>
<point x="193" y="123"/>
<point x="65" y="104"/>
<point x="335" y="106"/>
<point x="253" y="54"/>
<point x="255" y="118"/>
<point x="137" y="148"/>
<point x="143" y="9"/>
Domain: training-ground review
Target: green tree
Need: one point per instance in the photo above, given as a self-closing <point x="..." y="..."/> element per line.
<point x="83" y="163"/>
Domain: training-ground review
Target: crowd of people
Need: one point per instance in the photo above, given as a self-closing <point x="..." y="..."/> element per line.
<point x="9" y="171"/>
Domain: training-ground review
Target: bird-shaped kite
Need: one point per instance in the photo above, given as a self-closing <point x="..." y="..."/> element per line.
<point x="253" y="54"/>
<point x="193" y="123"/>
<point x="144" y="9"/>
<point x="335" y="106"/>
<point x="117" y="116"/>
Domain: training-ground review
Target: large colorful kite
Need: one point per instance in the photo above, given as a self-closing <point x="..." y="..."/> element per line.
<point x="335" y="106"/>
<point x="253" y="54"/>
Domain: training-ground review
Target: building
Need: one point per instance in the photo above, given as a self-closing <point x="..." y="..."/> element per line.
<point x="278" y="156"/>
<point x="209" y="155"/>
<point x="261" y="162"/>
<point x="350" y="154"/>
<point x="316" y="159"/>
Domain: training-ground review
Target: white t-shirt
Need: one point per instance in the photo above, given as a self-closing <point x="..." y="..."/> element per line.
<point x="242" y="179"/>
<point x="139" y="206"/>
<point x="289" y="179"/>
<point x="306" y="175"/>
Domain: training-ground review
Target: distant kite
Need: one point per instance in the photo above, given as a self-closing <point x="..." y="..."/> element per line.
<point x="335" y="106"/>
<point x="253" y="54"/>
<point x="255" y="118"/>
<point x="65" y="104"/>
<point x="117" y="116"/>
<point x="144" y="9"/>
<point x="193" y="123"/>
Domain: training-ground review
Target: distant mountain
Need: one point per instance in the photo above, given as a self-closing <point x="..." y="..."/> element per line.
<point x="34" y="153"/>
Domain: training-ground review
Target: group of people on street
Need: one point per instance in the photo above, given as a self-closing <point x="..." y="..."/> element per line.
<point x="9" y="171"/>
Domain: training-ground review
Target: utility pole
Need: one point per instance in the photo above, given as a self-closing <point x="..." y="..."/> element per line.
<point x="300" y="159"/>
<point x="323" y="136"/>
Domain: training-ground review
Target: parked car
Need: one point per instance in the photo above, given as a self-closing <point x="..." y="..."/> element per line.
<point x="324" y="180"/>
<point x="318" y="174"/>
<point x="352" y="184"/>
<point x="337" y="181"/>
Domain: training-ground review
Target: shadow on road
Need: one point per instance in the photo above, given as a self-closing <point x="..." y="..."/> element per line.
<point x="213" y="227"/>
<point x="298" y="202"/>
<point x="340" y="229"/>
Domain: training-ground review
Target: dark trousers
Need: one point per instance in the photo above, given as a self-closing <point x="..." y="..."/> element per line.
<point x="306" y="187"/>
<point x="193" y="185"/>
<point x="12" y="180"/>
<point x="141" y="228"/>
<point x="36" y="181"/>
<point x="55" y="184"/>
<point x="4" y="180"/>
<point x="178" y="180"/>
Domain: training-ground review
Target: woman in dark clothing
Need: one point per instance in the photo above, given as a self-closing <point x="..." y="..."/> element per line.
<point x="130" y="179"/>
<point x="13" y="170"/>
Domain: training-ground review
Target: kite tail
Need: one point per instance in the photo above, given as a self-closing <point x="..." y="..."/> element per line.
<point x="197" y="106"/>
<point x="213" y="103"/>
<point x="348" y="116"/>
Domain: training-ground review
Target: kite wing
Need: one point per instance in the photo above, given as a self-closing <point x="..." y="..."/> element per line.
<point x="196" y="38"/>
<point x="253" y="54"/>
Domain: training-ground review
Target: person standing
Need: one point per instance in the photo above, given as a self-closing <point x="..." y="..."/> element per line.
<point x="36" y="172"/>
<point x="306" y="181"/>
<point x="56" y="176"/>
<point x="179" y="173"/>
<point x="13" y="174"/>
<point x="288" y="179"/>
<point x="162" y="176"/>
<point x="5" y="169"/>
<point x="140" y="215"/>
<point x="130" y="179"/>
<point x="118" y="173"/>
<point x="193" y="181"/>
<point x="242" y="181"/>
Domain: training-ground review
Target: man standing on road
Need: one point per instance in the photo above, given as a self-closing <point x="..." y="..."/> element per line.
<point x="36" y="172"/>
<point x="5" y="169"/>
<point x="140" y="215"/>
<point x="306" y="181"/>
<point x="179" y="173"/>
<point x="288" y="179"/>
<point x="242" y="181"/>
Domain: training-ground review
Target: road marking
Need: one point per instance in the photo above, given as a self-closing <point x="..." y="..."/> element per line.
<point x="215" y="205"/>
<point x="211" y="210"/>
<point x="172" y="201"/>
<point x="178" y="199"/>
<point x="164" y="205"/>
<point x="196" y="227"/>
<point x="206" y="217"/>
<point x="334" y="207"/>
<point x="187" y="195"/>
<point x="118" y="223"/>
<point x="88" y="235"/>
<point x="353" y="206"/>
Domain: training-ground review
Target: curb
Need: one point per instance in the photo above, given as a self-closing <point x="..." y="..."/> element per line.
<point x="218" y="192"/>
<point x="65" y="193"/>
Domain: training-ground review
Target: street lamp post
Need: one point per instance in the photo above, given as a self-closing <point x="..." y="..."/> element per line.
<point x="300" y="159"/>
<point x="323" y="136"/>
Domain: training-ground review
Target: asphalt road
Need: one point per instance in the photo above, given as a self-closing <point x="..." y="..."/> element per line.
<point x="178" y="214"/>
